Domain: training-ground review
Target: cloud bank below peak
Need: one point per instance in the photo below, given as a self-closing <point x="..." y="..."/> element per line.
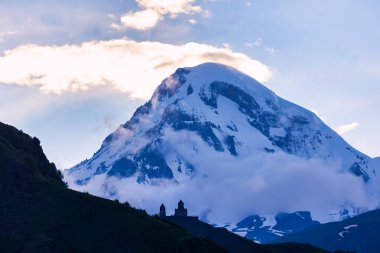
<point x="127" y="65"/>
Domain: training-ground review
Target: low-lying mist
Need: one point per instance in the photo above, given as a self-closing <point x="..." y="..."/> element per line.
<point x="225" y="189"/>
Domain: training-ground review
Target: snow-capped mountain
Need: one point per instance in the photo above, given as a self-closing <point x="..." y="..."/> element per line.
<point x="211" y="131"/>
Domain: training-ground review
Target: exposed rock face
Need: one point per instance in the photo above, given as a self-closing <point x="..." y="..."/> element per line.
<point x="222" y="107"/>
<point x="209" y="126"/>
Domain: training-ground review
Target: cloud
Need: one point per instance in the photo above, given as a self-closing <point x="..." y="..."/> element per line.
<point x="227" y="189"/>
<point x="129" y="66"/>
<point x="259" y="43"/>
<point x="141" y="20"/>
<point x="270" y="50"/>
<point x="154" y="11"/>
<point x="256" y="43"/>
<point x="3" y="35"/>
<point x="255" y="186"/>
<point x="346" y="128"/>
<point x="172" y="7"/>
<point x="192" y="21"/>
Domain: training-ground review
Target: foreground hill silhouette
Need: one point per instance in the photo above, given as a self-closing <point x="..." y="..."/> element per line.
<point x="39" y="214"/>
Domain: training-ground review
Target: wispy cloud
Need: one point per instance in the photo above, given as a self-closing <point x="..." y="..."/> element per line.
<point x="346" y="128"/>
<point x="6" y="34"/>
<point x="256" y="43"/>
<point x="192" y="21"/>
<point x="141" y="20"/>
<point x="171" y="7"/>
<point x="130" y="66"/>
<point x="259" y="43"/>
<point x="153" y="11"/>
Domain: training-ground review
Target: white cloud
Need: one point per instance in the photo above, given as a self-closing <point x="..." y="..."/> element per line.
<point x="172" y="7"/>
<point x="264" y="184"/>
<point x="116" y="26"/>
<point x="141" y="20"/>
<point x="153" y="11"/>
<point x="346" y="128"/>
<point x="259" y="43"/>
<point x="130" y="66"/>
<point x="7" y="33"/>
<point x="227" y="45"/>
<point x="257" y="184"/>
<point x="256" y="43"/>
<point x="192" y="21"/>
<point x="270" y="50"/>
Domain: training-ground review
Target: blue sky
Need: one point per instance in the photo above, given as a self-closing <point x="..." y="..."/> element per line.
<point x="72" y="71"/>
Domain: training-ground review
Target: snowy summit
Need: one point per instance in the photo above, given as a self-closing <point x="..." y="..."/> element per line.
<point x="214" y="125"/>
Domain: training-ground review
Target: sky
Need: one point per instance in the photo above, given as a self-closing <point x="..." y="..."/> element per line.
<point x="72" y="71"/>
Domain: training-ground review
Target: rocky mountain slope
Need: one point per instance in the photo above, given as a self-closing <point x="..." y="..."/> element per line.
<point x="214" y="128"/>
<point x="360" y="234"/>
<point x="230" y="112"/>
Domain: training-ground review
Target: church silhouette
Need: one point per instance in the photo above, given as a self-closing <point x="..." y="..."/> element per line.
<point x="179" y="212"/>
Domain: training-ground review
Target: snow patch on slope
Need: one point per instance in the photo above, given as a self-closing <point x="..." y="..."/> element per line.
<point x="347" y="230"/>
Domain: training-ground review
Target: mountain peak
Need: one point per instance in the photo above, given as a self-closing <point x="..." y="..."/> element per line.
<point x="196" y="77"/>
<point x="211" y="120"/>
<point x="212" y="70"/>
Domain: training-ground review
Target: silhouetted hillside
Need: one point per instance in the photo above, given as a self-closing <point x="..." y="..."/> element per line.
<point x="39" y="214"/>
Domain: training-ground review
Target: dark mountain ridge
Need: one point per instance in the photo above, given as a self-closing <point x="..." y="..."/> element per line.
<point x="360" y="234"/>
<point x="39" y="214"/>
